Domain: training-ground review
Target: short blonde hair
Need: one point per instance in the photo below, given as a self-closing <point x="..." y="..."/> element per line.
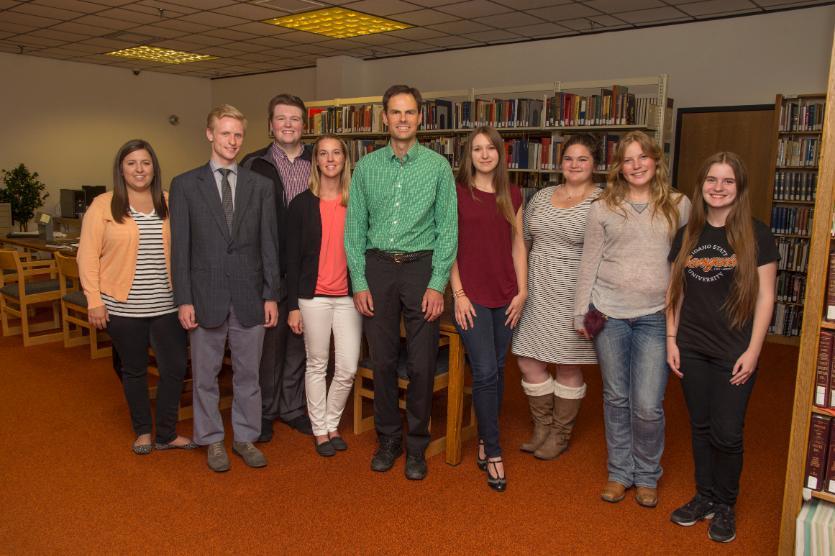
<point x="344" y="179"/>
<point x="224" y="111"/>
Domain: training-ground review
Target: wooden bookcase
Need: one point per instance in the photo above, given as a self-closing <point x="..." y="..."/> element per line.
<point x="791" y="195"/>
<point x="525" y="132"/>
<point x="813" y="322"/>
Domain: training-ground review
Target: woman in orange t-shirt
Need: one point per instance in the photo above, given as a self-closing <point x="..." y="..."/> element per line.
<point x="319" y="290"/>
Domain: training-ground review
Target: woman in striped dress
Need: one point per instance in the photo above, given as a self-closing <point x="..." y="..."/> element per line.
<point x="123" y="261"/>
<point x="554" y="226"/>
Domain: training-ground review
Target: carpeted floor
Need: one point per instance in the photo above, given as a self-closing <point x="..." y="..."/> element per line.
<point x="70" y="483"/>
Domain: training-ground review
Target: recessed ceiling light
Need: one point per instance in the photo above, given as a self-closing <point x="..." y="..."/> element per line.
<point x="338" y="23"/>
<point x="164" y="55"/>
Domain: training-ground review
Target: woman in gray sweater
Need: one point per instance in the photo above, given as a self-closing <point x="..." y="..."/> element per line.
<point x="624" y="275"/>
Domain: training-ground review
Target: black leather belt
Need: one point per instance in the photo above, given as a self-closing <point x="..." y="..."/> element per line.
<point x="399" y="257"/>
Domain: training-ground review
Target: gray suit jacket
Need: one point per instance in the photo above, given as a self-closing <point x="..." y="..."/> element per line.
<point x="213" y="269"/>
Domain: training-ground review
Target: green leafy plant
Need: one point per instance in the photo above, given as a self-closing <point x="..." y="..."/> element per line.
<point x="25" y="193"/>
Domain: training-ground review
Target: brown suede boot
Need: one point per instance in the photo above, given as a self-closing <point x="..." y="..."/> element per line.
<point x="565" y="415"/>
<point x="542" y="410"/>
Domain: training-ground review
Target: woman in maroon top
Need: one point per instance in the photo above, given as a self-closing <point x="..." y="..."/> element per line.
<point x="489" y="282"/>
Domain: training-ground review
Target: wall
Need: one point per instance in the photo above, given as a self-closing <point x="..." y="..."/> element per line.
<point x="66" y="120"/>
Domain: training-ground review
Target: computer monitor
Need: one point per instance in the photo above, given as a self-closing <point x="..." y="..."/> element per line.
<point x="90" y="193"/>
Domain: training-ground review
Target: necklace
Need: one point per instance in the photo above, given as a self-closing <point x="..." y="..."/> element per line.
<point x="568" y="194"/>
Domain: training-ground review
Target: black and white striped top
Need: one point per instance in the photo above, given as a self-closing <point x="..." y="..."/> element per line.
<point x="150" y="293"/>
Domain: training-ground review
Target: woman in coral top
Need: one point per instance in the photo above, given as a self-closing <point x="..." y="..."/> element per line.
<point x="124" y="264"/>
<point x="319" y="290"/>
<point x="489" y="282"/>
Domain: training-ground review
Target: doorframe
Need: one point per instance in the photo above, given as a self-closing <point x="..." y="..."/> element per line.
<point x="700" y="109"/>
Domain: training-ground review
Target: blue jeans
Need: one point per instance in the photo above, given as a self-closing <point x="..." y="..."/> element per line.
<point x="633" y="361"/>
<point x="486" y="343"/>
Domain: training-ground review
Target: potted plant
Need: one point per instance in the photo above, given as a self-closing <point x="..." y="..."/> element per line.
<point x="25" y="193"/>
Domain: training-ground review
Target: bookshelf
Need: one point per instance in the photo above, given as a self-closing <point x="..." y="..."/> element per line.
<point x="532" y="118"/>
<point x="812" y="323"/>
<point x="798" y="124"/>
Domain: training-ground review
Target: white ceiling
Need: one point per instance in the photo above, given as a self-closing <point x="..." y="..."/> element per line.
<point x="82" y="30"/>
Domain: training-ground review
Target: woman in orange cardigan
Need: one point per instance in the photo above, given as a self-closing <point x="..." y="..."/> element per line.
<point x="124" y="264"/>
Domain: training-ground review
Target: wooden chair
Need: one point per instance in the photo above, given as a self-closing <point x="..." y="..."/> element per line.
<point x="20" y="295"/>
<point x="74" y="321"/>
<point x="364" y="389"/>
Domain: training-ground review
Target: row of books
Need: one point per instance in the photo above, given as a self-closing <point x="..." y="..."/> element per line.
<point x="802" y="115"/>
<point x="830" y="290"/>
<point x="615" y="106"/>
<point x="824" y="376"/>
<point x="798" y="151"/>
<point x="813" y="528"/>
<point x="790" y="185"/>
<point x="791" y="220"/>
<point x="791" y="287"/>
<point x="794" y="253"/>
<point x="786" y="320"/>
<point x="820" y="455"/>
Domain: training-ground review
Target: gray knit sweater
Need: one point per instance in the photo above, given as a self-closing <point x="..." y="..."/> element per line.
<point x="624" y="270"/>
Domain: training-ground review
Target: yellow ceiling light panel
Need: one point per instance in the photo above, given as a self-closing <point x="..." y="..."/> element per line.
<point x="338" y="23"/>
<point x="162" y="55"/>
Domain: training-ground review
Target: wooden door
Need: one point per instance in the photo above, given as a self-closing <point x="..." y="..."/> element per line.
<point x="746" y="130"/>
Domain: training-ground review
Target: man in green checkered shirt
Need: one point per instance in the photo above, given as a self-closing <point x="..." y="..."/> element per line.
<point x="401" y="236"/>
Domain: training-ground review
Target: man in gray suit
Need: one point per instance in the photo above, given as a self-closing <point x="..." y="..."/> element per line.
<point x="225" y="273"/>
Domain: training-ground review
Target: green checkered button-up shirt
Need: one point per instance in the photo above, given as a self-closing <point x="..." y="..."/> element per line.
<point x="402" y="205"/>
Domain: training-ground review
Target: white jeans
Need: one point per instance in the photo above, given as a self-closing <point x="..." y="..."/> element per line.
<point x="320" y="315"/>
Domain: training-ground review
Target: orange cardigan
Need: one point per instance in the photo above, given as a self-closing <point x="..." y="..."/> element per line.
<point x="108" y="250"/>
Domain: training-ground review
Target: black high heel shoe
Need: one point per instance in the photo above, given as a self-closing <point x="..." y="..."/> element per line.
<point x="497" y="483"/>
<point x="482" y="463"/>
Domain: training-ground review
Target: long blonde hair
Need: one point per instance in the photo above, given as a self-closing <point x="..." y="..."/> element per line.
<point x="501" y="179"/>
<point x="663" y="200"/>
<point x="344" y="179"/>
<point x="739" y="229"/>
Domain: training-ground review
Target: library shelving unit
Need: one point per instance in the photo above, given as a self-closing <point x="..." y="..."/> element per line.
<point x="798" y="123"/>
<point x="813" y="322"/>
<point x="532" y="119"/>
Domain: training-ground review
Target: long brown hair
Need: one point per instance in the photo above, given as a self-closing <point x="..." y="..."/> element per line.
<point x="344" y="179"/>
<point x="740" y="305"/>
<point x="120" y="205"/>
<point x="663" y="200"/>
<point x="501" y="179"/>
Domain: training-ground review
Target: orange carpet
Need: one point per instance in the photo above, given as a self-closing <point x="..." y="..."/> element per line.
<point x="71" y="484"/>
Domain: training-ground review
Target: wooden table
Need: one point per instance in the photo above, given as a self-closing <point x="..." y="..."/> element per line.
<point x="35" y="244"/>
<point x="455" y="432"/>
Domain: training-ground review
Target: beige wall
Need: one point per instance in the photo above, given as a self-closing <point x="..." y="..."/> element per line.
<point x="67" y="120"/>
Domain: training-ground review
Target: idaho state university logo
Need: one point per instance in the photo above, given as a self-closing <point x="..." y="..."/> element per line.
<point x="709" y="263"/>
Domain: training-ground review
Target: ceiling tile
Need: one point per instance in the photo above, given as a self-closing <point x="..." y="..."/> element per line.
<point x="106" y="22"/>
<point x="614" y="6"/>
<point x="380" y="38"/>
<point x="718" y="7"/>
<point x="777" y="4"/>
<point x="204" y="39"/>
<point x="654" y="15"/>
<point x="565" y="11"/>
<point x="157" y="31"/>
<point x="542" y="30"/>
<point x="378" y="7"/>
<point x="15" y="28"/>
<point x="178" y="44"/>
<point x="312" y="49"/>
<point x="250" y="12"/>
<point x="167" y="13"/>
<point x="531" y="4"/>
<point x="452" y="41"/>
<point x="244" y="46"/>
<point x="416" y="33"/>
<point x="218" y="51"/>
<point x="58" y="35"/>
<point x="412" y="46"/>
<point x="5" y="34"/>
<point x="460" y="27"/>
<point x="56" y="53"/>
<point x="130" y="15"/>
<point x="44" y="11"/>
<point x="605" y="21"/>
<point x="39" y="42"/>
<point x="255" y="57"/>
<point x="431" y="3"/>
<point x="512" y="19"/>
<point x="5" y="4"/>
<point x="18" y="18"/>
<point x="181" y="25"/>
<point x="202" y="4"/>
<point x="113" y="2"/>
<point x="424" y="17"/>
<point x="213" y="19"/>
<point x="474" y="8"/>
<point x="303" y="37"/>
<point x="175" y="9"/>
<point x="496" y="35"/>
<point x="229" y="34"/>
<point x="260" y="29"/>
<point x="83" y="29"/>
<point x="73" y="5"/>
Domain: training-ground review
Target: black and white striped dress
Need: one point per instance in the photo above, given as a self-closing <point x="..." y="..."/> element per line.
<point x="150" y="293"/>
<point x="546" y="329"/>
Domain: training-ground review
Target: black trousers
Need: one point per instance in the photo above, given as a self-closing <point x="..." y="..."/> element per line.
<point x="717" y="417"/>
<point x="283" y="362"/>
<point x="131" y="337"/>
<point x="395" y="289"/>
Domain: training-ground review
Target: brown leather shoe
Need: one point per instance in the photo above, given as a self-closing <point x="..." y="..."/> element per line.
<point x="646" y="496"/>
<point x="613" y="492"/>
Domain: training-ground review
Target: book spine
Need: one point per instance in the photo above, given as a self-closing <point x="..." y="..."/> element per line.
<point x="822" y="372"/>
<point x="817" y="451"/>
<point x="829" y="483"/>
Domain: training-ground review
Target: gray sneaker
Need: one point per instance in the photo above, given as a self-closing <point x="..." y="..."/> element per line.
<point x="251" y="455"/>
<point x="217" y="459"/>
